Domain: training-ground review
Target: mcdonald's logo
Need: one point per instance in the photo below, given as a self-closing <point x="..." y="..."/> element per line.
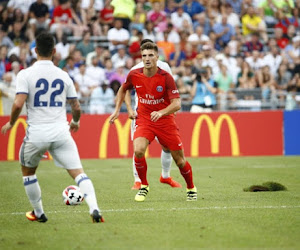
<point x="123" y="133"/>
<point x="214" y="130"/>
<point x="11" y="147"/>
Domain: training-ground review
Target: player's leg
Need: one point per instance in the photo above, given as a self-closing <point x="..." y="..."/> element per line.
<point x="140" y="145"/>
<point x="137" y="180"/>
<point x="166" y="163"/>
<point x="186" y="172"/>
<point x="65" y="154"/>
<point x="30" y="154"/>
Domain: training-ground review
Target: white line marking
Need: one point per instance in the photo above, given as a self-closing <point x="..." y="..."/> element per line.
<point x="166" y="209"/>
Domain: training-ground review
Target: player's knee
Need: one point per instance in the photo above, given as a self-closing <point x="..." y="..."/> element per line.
<point x="139" y="153"/>
<point x="180" y="162"/>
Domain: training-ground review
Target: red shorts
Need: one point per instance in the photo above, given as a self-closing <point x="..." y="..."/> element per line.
<point x="168" y="137"/>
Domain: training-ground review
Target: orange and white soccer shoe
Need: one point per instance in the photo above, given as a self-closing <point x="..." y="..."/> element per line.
<point x="32" y="217"/>
<point x="170" y="182"/>
<point x="136" y="186"/>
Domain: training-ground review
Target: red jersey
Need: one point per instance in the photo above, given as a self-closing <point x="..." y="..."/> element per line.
<point x="154" y="93"/>
<point x="64" y="15"/>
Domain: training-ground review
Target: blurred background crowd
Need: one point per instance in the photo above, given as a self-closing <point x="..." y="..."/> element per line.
<point x="224" y="54"/>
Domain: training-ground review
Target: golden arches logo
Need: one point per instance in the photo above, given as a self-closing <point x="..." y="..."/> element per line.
<point x="12" y="139"/>
<point x="123" y="137"/>
<point x="214" y="132"/>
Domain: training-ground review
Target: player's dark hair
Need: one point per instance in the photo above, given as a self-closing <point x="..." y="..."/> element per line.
<point x="45" y="44"/>
<point x="149" y="45"/>
<point x="146" y="40"/>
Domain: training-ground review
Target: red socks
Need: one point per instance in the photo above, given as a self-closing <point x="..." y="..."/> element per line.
<point x="141" y="168"/>
<point x="187" y="174"/>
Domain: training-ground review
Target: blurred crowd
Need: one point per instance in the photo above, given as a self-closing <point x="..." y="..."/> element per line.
<point x="221" y="52"/>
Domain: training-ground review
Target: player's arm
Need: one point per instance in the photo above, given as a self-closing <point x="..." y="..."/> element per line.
<point x="76" y="113"/>
<point x="174" y="106"/>
<point x="119" y="100"/>
<point x="130" y="111"/>
<point x="15" y="112"/>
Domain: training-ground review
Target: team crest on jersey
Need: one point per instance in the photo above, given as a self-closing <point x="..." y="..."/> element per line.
<point x="159" y="88"/>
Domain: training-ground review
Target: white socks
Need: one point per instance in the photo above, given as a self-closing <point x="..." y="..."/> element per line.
<point x="87" y="189"/>
<point x="33" y="192"/>
<point x="166" y="163"/>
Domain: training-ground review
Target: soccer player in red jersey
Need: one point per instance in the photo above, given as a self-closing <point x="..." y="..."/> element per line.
<point x="158" y="99"/>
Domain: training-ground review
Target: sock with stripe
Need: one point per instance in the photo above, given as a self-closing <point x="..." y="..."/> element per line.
<point x="141" y="168"/>
<point x="33" y="192"/>
<point x="187" y="174"/>
<point x="88" y="191"/>
<point x="166" y="162"/>
<point x="135" y="173"/>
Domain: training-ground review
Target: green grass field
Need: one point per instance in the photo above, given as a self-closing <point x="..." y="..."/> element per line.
<point x="223" y="217"/>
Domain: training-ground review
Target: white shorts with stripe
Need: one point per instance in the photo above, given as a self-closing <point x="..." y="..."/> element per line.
<point x="64" y="153"/>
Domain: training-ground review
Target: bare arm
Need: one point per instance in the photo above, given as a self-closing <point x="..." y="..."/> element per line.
<point x="15" y="112"/>
<point x="130" y="111"/>
<point x="174" y="106"/>
<point x="119" y="100"/>
<point x="76" y="113"/>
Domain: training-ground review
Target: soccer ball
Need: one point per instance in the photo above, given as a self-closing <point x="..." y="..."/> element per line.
<point x="72" y="195"/>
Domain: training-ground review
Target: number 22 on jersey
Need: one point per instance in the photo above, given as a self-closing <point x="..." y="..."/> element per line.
<point x="57" y="87"/>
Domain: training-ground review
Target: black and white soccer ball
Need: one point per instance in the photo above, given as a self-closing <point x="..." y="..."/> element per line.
<point x="72" y="195"/>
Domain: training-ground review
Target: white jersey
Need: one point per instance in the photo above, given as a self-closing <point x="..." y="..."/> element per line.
<point x="163" y="65"/>
<point x="48" y="87"/>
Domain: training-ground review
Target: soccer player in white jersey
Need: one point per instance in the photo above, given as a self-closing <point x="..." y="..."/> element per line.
<point x="45" y="89"/>
<point x="166" y="157"/>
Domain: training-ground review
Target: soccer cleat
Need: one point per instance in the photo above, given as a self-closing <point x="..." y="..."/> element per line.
<point x="191" y="194"/>
<point x="32" y="217"/>
<point x="170" y="181"/>
<point x="142" y="193"/>
<point x="136" y="186"/>
<point x="96" y="217"/>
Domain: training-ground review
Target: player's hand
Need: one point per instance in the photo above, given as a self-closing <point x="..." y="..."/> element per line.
<point x="74" y="127"/>
<point x="131" y="114"/>
<point x="6" y="127"/>
<point x="155" y="115"/>
<point x="113" y="117"/>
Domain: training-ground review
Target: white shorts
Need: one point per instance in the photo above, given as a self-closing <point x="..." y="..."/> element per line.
<point x="64" y="153"/>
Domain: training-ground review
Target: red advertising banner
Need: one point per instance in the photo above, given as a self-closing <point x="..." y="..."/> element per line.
<point x="214" y="134"/>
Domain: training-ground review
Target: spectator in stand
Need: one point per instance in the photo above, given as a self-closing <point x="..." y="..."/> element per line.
<point x="232" y="18"/>
<point x="166" y="46"/>
<point x="120" y="74"/>
<point x="98" y="52"/>
<point x="203" y="21"/>
<point x="22" y="5"/>
<point x="108" y="69"/>
<point x="292" y="51"/>
<point x="178" y="17"/>
<point x="236" y="5"/>
<point x="96" y="73"/>
<point x="198" y="39"/>
<point x="253" y="44"/>
<point x="246" y="78"/>
<point x="17" y="34"/>
<point x="3" y="60"/>
<point x="139" y="18"/>
<point x="149" y="32"/>
<point x="5" y="40"/>
<point x="158" y="17"/>
<point x="173" y="35"/>
<point x="39" y="17"/>
<point x="280" y="39"/>
<point x="224" y="31"/>
<point x="203" y="92"/>
<point x="283" y="77"/>
<point x="193" y="8"/>
<point x="230" y="62"/>
<point x="124" y="10"/>
<point x="268" y="10"/>
<point x="284" y="22"/>
<point x="266" y="82"/>
<point x="64" y="48"/>
<point x="252" y="23"/>
<point x="120" y="56"/>
<point x="84" y="82"/>
<point x="273" y="59"/>
<point x="70" y="67"/>
<point x="102" y="99"/>
<point x="62" y="21"/>
<point x="213" y="10"/>
<point x="255" y="61"/>
<point x="85" y="46"/>
<point x="117" y="36"/>
<point x="106" y="18"/>
<point x="209" y="61"/>
<point x="291" y="32"/>
<point x="82" y="19"/>
<point x="134" y="48"/>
